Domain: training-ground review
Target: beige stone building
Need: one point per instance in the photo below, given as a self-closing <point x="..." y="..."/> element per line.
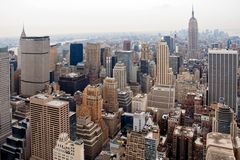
<point x="93" y="60"/>
<point x="48" y="118"/>
<point x="67" y="149"/>
<point x="219" y="146"/>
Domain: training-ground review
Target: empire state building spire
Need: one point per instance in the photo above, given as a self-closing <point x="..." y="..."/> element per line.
<point x="192" y="11"/>
<point x="193" y="37"/>
<point x="23" y="34"/>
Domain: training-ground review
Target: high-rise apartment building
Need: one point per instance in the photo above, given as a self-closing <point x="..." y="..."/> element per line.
<point x="76" y="53"/>
<point x="48" y="118"/>
<point x="222" y="76"/>
<point x="126" y="45"/>
<point x="192" y="37"/>
<point x="67" y="149"/>
<point x="34" y="64"/>
<point x="5" y="114"/>
<point x="120" y="74"/>
<point x="110" y="95"/>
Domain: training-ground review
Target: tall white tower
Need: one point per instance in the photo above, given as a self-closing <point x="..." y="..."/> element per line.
<point x="192" y="37"/>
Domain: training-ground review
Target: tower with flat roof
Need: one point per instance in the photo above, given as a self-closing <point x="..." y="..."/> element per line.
<point x="34" y="64"/>
<point x="48" y="118"/>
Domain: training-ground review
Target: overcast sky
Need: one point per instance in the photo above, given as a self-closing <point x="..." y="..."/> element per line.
<point x="47" y="17"/>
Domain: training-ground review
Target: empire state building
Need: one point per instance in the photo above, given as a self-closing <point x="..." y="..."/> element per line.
<point x="192" y="37"/>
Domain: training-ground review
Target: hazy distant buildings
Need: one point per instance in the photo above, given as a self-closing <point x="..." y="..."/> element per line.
<point x="170" y="43"/>
<point x="76" y="53"/>
<point x="126" y="45"/>
<point x="193" y="37"/>
<point x="34" y="64"/>
<point x="48" y="119"/>
<point x="145" y="51"/>
<point x="175" y="63"/>
<point x="93" y="60"/>
<point x="125" y="57"/>
<point x="5" y="114"/>
<point x="67" y="149"/>
<point x="222" y="76"/>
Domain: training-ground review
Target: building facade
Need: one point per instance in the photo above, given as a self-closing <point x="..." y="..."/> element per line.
<point x="5" y="114"/>
<point x="34" y="64"/>
<point x="93" y="60"/>
<point x="76" y="53"/>
<point x="67" y="149"/>
<point x="48" y="118"/>
<point x="120" y="74"/>
<point x="222" y="76"/>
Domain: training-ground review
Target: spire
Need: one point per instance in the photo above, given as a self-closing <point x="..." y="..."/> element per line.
<point x="192" y="11"/>
<point x="23" y="32"/>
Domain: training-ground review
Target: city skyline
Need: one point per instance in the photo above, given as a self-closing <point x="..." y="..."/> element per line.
<point x="122" y="16"/>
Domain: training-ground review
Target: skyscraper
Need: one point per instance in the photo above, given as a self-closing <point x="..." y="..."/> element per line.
<point x="110" y="94"/>
<point x="224" y="117"/>
<point x="119" y="73"/>
<point x="170" y="43"/>
<point x="127" y="58"/>
<point x="93" y="60"/>
<point x="92" y="99"/>
<point x="76" y="53"/>
<point x="162" y="95"/>
<point x="222" y="76"/>
<point x="34" y="64"/>
<point x="192" y="37"/>
<point x="144" y="51"/>
<point x="164" y="75"/>
<point x="48" y="119"/>
<point x="5" y="114"/>
<point x="23" y="34"/>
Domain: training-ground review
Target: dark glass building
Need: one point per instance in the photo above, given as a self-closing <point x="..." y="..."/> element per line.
<point x="170" y="43"/>
<point x="76" y="53"/>
<point x="72" y="82"/>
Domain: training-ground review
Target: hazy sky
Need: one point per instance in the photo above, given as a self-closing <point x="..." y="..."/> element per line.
<point x="46" y="17"/>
